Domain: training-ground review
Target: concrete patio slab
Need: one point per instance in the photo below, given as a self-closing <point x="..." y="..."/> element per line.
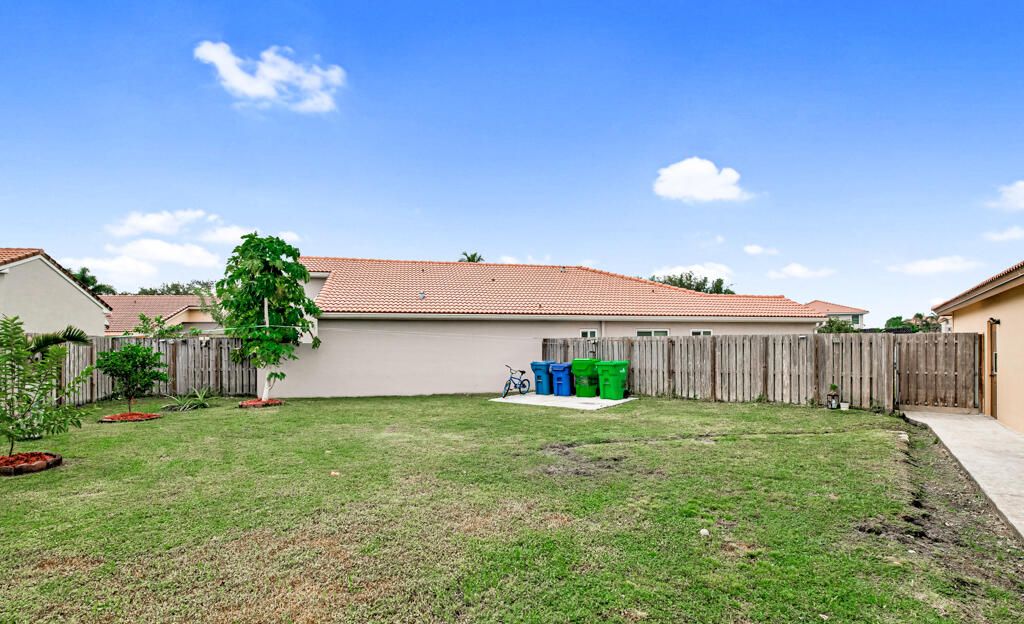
<point x="570" y="402"/>
<point x="989" y="452"/>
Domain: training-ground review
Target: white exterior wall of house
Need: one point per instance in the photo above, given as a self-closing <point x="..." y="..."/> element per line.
<point x="45" y="299"/>
<point x="415" y="357"/>
<point x="857" y="322"/>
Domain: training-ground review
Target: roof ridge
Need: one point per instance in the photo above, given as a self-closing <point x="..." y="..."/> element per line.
<point x="458" y="262"/>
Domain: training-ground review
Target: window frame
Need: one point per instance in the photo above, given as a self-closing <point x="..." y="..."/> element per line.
<point x="696" y="332"/>
<point x="651" y="333"/>
<point x="595" y="333"/>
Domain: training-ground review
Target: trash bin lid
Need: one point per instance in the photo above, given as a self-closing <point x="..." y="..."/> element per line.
<point x="561" y="366"/>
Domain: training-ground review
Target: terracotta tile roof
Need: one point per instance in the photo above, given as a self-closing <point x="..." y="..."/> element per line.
<point x="827" y="307"/>
<point x="358" y="285"/>
<point x="13" y="254"/>
<point x="127" y="308"/>
<point x="948" y="305"/>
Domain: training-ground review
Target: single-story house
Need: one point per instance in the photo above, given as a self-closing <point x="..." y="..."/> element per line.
<point x="45" y="295"/>
<point x="854" y="316"/>
<point x="408" y="327"/>
<point x="995" y="309"/>
<point x="185" y="310"/>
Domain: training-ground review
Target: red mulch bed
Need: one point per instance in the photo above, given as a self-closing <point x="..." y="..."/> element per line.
<point x="259" y="403"/>
<point x="128" y="417"/>
<point x="23" y="463"/>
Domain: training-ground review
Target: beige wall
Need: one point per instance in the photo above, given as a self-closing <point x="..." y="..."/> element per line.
<point x="1008" y="307"/>
<point x="45" y="300"/>
<point x="411" y="357"/>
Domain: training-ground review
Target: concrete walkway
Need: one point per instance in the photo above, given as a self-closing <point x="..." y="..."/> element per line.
<point x="990" y="453"/>
<point x="570" y="402"/>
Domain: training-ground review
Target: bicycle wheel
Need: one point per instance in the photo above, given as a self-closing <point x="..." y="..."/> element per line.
<point x="508" y="386"/>
<point x="524" y="387"/>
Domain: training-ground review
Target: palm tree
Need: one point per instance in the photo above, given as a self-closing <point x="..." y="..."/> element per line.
<point x="91" y="283"/>
<point x="471" y="257"/>
<point x="41" y="342"/>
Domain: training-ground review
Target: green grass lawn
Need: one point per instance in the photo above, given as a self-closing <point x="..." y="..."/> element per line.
<point x="460" y="509"/>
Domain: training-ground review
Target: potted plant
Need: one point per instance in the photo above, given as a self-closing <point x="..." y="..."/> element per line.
<point x="134" y="369"/>
<point x="832" y="398"/>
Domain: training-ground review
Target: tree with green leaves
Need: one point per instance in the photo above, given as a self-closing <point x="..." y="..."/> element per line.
<point x="178" y="288"/>
<point x="265" y="304"/>
<point x="837" y="326"/>
<point x="32" y="395"/>
<point x="471" y="257"/>
<point x="134" y="368"/>
<point x="92" y="283"/>
<point x="691" y="281"/>
<point x="155" y="327"/>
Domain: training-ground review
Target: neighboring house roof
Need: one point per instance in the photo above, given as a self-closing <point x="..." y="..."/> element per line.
<point x="827" y="307"/>
<point x="367" y="286"/>
<point x="1000" y="282"/>
<point x="11" y="255"/>
<point x="127" y="308"/>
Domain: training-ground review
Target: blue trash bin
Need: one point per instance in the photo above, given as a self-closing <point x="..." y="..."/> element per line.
<point x="542" y="373"/>
<point x="561" y="378"/>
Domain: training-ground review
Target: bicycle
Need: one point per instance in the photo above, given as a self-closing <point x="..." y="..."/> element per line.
<point x="520" y="383"/>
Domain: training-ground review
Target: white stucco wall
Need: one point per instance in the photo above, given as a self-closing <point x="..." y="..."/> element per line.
<point x="46" y="301"/>
<point x="413" y="357"/>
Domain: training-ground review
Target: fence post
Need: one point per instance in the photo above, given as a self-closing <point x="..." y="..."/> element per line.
<point x="713" y="367"/>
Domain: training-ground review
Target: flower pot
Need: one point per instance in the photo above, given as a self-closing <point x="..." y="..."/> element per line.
<point x="832" y="400"/>
<point x="844" y="407"/>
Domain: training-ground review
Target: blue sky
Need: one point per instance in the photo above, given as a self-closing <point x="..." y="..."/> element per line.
<point x="875" y="154"/>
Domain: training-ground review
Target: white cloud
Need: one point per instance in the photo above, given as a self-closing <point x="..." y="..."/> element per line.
<point x="931" y="266"/>
<point x="1011" y="233"/>
<point x="164" y="222"/>
<point x="153" y="250"/>
<point x="799" y="271"/>
<point x="226" y="234"/>
<point x="699" y="180"/>
<point x="528" y="260"/>
<point x="122" y="271"/>
<point x="289" y="237"/>
<point x="711" y="270"/>
<point x="1011" y="197"/>
<point x="758" y="250"/>
<point x="274" y="79"/>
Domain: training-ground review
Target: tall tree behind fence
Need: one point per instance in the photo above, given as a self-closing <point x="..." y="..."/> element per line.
<point x="192" y="363"/>
<point x="871" y="370"/>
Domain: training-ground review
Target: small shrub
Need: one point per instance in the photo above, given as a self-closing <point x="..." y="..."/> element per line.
<point x="134" y="369"/>
<point x="31" y="394"/>
<point x="198" y="399"/>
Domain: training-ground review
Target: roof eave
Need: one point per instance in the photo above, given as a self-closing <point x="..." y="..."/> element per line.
<point x="981" y="292"/>
<point x="564" y="317"/>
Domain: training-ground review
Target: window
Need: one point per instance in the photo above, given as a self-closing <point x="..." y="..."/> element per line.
<point x="700" y="332"/>
<point x="855" y="319"/>
<point x="588" y="333"/>
<point x="651" y="332"/>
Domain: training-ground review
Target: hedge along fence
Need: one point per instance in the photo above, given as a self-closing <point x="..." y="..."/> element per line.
<point x="192" y="362"/>
<point x="871" y="370"/>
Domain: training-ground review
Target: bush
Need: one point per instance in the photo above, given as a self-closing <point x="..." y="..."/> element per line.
<point x="31" y="394"/>
<point x="134" y="369"/>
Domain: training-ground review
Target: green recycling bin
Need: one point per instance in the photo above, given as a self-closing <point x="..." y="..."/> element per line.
<point x="585" y="372"/>
<point x="612" y="375"/>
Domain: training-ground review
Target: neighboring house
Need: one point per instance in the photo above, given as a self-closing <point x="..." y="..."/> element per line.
<point x="854" y="316"/>
<point x="392" y="327"/>
<point x="995" y="309"/>
<point x="186" y="310"/>
<point x="44" y="295"/>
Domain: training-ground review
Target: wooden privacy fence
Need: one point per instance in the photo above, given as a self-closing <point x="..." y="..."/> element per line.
<point x="192" y="362"/>
<point x="871" y="370"/>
